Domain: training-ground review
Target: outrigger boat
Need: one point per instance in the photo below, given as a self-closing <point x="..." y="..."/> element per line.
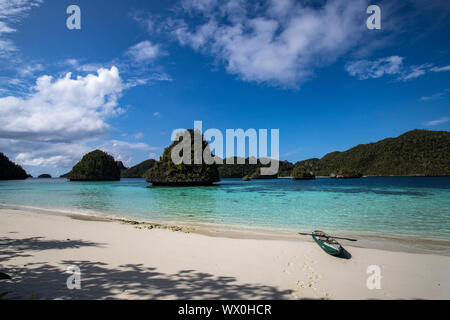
<point x="327" y="243"/>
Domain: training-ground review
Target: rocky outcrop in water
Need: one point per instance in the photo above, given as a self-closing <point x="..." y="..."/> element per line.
<point x="95" y="166"/>
<point x="166" y="173"/>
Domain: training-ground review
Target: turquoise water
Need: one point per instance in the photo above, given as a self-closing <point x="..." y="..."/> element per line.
<point x="386" y="206"/>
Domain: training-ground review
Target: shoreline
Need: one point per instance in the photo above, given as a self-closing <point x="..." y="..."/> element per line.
<point x="119" y="261"/>
<point x="403" y="243"/>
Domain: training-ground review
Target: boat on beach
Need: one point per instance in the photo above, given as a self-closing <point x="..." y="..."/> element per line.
<point x="327" y="243"/>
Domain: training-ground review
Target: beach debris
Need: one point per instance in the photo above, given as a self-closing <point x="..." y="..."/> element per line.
<point x="150" y="226"/>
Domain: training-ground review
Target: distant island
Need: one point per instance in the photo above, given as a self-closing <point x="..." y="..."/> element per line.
<point x="44" y="176"/>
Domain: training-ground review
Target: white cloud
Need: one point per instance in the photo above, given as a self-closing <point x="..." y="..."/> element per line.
<point x="278" y="42"/>
<point x="12" y="12"/>
<point x="364" y="69"/>
<point x="440" y="69"/>
<point x="124" y="151"/>
<point x="156" y="114"/>
<point x="434" y="96"/>
<point x="144" y="51"/>
<point x="63" y="109"/>
<point x="437" y="121"/>
<point x="415" y="72"/>
<point x="5" y="29"/>
<point x="138" y="135"/>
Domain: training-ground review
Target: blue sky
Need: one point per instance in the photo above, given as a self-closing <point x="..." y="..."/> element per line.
<point x="140" y="69"/>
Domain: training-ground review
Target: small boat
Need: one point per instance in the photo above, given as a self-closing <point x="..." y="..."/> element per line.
<point x="327" y="243"/>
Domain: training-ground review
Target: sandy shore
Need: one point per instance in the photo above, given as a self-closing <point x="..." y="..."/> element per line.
<point x="126" y="261"/>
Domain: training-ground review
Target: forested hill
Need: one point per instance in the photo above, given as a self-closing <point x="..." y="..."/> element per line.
<point x="416" y="152"/>
<point x="9" y="170"/>
<point x="138" y="170"/>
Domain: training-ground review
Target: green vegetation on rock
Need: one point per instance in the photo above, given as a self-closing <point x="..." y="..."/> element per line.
<point x="257" y="175"/>
<point x="9" y="170"/>
<point x="302" y="173"/>
<point x="95" y="166"/>
<point x="417" y="152"/>
<point x="138" y="170"/>
<point x="121" y="167"/>
<point x="346" y="173"/>
<point x="167" y="173"/>
<point x="44" y="176"/>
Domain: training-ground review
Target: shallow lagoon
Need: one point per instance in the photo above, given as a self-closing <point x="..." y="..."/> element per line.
<point x="390" y="206"/>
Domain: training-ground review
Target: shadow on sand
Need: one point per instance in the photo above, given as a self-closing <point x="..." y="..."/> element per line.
<point x="101" y="281"/>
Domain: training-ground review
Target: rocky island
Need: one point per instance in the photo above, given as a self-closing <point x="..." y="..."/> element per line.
<point x="95" y="166"/>
<point x="167" y="173"/>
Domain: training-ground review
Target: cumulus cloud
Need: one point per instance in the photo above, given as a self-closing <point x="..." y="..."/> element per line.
<point x="61" y="119"/>
<point x="63" y="109"/>
<point x="277" y="42"/>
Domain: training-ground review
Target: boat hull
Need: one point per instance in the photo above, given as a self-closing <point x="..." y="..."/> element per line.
<point x="335" y="250"/>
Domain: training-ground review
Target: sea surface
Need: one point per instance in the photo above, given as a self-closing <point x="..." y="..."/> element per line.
<point x="388" y="206"/>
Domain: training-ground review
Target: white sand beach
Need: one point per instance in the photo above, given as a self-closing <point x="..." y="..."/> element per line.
<point x="119" y="261"/>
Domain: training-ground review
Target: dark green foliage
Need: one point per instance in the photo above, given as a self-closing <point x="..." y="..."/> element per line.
<point x="285" y="168"/>
<point x="417" y="152"/>
<point x="95" y="166"/>
<point x="236" y="170"/>
<point x="167" y="173"/>
<point x="302" y="173"/>
<point x="240" y="170"/>
<point x="121" y="166"/>
<point x="9" y="170"/>
<point x="257" y="175"/>
<point x="312" y="164"/>
<point x="347" y="173"/>
<point x="138" y="170"/>
<point x="44" y="176"/>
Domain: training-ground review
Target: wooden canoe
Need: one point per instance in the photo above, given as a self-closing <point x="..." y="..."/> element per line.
<point x="327" y="243"/>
